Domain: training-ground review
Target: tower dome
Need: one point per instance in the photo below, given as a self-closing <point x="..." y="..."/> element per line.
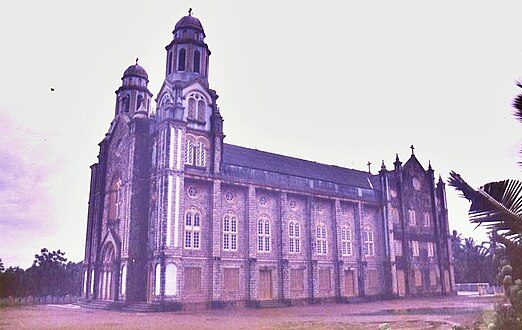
<point x="136" y="70"/>
<point x="189" y="22"/>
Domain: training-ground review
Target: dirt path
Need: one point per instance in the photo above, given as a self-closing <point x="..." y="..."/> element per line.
<point x="434" y="313"/>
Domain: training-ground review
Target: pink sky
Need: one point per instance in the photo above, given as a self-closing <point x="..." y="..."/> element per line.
<point x="336" y="82"/>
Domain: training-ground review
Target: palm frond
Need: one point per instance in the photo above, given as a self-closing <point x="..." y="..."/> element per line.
<point x="497" y="205"/>
<point x="517" y="104"/>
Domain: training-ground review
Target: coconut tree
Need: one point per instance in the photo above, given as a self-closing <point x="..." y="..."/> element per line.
<point x="498" y="206"/>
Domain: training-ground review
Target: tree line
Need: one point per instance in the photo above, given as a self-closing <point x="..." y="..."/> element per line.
<point x="50" y="274"/>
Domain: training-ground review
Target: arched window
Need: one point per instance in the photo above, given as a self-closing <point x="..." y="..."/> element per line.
<point x="157" y="280"/>
<point x="415" y="248"/>
<point x="181" y="59"/>
<point x="230" y="232"/>
<point x="192" y="229"/>
<point x="195" y="152"/>
<point x="92" y="282"/>
<point x="191" y="108"/>
<point x="412" y="217"/>
<point x="171" y="272"/>
<point x="197" y="57"/>
<point x="196" y="107"/>
<point x="294" y="234"/>
<point x="123" y="279"/>
<point x="431" y="249"/>
<point x="427" y="219"/>
<point x="394" y="215"/>
<point x="201" y="110"/>
<point x="320" y="239"/>
<point x="169" y="62"/>
<point x="85" y="282"/>
<point x="189" y="152"/>
<point x="108" y="255"/>
<point x="200" y="154"/>
<point x="139" y="101"/>
<point x="114" y="196"/>
<point x="368" y="244"/>
<point x="346" y="240"/>
<point x="263" y="234"/>
<point x="125" y="104"/>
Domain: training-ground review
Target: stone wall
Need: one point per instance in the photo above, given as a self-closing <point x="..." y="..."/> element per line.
<point x="30" y="300"/>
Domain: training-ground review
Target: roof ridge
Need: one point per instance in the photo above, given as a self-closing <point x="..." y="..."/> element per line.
<point x="299" y="159"/>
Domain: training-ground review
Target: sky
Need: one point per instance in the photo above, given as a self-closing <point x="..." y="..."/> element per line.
<point x="337" y="82"/>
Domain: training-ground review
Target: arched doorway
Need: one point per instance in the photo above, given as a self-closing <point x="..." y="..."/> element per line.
<point x="107" y="273"/>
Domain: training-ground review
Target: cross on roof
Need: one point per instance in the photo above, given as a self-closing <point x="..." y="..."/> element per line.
<point x="190" y="11"/>
<point x="412" y="150"/>
<point x="369" y="167"/>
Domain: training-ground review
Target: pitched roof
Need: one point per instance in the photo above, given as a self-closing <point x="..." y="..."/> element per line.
<point x="266" y="161"/>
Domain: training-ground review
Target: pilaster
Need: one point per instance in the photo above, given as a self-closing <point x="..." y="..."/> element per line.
<point x="309" y="253"/>
<point x="251" y="212"/>
<point x="361" y="263"/>
<point x="282" y="256"/>
<point x="336" y="254"/>
<point x="215" y="222"/>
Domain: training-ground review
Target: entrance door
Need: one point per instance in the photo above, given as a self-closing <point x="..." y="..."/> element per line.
<point x="349" y="288"/>
<point x="401" y="283"/>
<point x="106" y="289"/>
<point x="265" y="284"/>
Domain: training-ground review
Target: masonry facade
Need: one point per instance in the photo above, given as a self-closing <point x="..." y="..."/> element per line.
<point x="177" y="216"/>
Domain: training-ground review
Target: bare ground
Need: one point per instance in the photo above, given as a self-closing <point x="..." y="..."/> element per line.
<point x="420" y="313"/>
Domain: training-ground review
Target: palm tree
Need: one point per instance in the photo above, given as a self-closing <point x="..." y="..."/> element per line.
<point x="498" y="206"/>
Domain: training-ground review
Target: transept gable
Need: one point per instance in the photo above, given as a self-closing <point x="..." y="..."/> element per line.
<point x="415" y="177"/>
<point x="413" y="165"/>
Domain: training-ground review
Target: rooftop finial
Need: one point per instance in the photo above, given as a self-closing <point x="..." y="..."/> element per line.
<point x="412" y="150"/>
<point x="190" y="11"/>
<point x="383" y="166"/>
<point x="137" y="60"/>
<point x="369" y="167"/>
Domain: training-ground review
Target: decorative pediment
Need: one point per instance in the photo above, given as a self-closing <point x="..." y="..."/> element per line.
<point x="110" y="238"/>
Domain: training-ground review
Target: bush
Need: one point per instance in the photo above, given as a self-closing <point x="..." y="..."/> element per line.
<point x="508" y="315"/>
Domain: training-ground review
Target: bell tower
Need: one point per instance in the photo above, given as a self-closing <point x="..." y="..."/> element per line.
<point x="133" y="95"/>
<point x="187" y="139"/>
<point x="187" y="54"/>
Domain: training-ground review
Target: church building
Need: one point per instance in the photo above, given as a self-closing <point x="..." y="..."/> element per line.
<point x="178" y="218"/>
